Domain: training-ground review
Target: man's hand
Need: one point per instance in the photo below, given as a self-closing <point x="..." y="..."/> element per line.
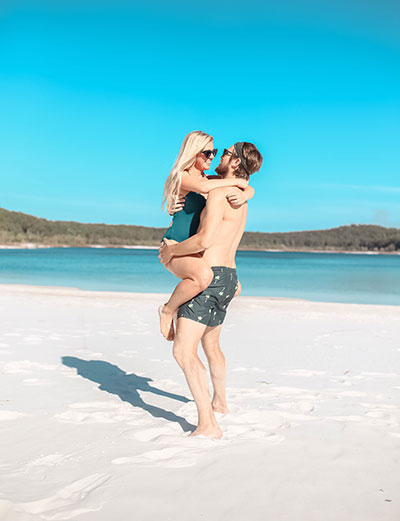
<point x="166" y="251"/>
<point x="180" y="203"/>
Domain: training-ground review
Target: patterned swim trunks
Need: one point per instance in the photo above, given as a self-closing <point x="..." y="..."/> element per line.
<point x="209" y="306"/>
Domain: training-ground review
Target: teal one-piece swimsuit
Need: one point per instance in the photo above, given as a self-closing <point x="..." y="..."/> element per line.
<point x="185" y="223"/>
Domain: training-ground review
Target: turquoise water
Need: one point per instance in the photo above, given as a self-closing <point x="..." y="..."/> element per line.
<point x="334" y="277"/>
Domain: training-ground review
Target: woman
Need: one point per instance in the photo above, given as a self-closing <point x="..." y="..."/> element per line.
<point x="187" y="180"/>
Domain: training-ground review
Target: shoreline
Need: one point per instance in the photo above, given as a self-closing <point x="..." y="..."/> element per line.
<point x="71" y="291"/>
<point x="33" y="246"/>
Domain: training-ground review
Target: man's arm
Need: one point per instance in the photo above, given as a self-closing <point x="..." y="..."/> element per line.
<point x="211" y="220"/>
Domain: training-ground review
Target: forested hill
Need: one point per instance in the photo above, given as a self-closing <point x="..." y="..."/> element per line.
<point x="19" y="228"/>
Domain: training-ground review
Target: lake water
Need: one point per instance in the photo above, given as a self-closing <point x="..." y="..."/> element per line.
<point x="334" y="277"/>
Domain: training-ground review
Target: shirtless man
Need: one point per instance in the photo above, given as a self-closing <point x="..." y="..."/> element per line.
<point x="218" y="236"/>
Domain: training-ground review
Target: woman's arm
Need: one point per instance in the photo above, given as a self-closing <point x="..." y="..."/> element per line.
<point x="249" y="192"/>
<point x="204" y="186"/>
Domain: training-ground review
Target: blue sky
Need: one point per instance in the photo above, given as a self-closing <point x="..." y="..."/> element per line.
<point x="96" y="97"/>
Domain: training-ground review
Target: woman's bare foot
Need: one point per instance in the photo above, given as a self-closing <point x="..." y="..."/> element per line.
<point x="212" y="431"/>
<point x="220" y="408"/>
<point x="166" y="323"/>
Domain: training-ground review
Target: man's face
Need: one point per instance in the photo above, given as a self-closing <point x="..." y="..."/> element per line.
<point x="225" y="166"/>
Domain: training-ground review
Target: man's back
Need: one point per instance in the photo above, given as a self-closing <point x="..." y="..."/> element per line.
<point x="230" y="230"/>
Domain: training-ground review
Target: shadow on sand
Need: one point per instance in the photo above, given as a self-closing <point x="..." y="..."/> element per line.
<point x="115" y="381"/>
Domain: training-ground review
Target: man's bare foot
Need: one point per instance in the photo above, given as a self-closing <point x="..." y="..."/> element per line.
<point x="166" y="323"/>
<point x="213" y="431"/>
<point x="220" y="408"/>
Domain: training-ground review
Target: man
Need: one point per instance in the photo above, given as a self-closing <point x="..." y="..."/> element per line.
<point x="218" y="236"/>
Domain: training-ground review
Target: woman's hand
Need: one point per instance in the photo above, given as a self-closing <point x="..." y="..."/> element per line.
<point x="236" y="198"/>
<point x="180" y="203"/>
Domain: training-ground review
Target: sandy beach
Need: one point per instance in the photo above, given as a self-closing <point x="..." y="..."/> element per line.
<point x="95" y="413"/>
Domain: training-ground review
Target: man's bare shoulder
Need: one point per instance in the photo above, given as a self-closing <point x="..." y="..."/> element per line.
<point x="218" y="193"/>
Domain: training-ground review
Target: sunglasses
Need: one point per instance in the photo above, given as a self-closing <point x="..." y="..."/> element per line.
<point x="226" y="152"/>
<point x="209" y="153"/>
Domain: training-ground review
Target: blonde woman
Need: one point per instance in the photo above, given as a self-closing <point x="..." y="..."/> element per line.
<point x="187" y="180"/>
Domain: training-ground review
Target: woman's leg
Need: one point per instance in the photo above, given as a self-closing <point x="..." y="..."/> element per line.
<point x="238" y="289"/>
<point x="196" y="276"/>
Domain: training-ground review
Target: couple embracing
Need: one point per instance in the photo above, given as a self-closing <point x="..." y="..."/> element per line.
<point x="209" y="217"/>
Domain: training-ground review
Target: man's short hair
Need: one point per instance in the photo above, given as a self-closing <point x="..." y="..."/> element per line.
<point x="251" y="157"/>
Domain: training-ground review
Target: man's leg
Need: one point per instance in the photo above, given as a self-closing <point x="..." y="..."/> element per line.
<point x="216" y="363"/>
<point x="188" y="335"/>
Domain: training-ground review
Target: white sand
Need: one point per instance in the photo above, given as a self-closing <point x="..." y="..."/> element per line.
<point x="313" y="433"/>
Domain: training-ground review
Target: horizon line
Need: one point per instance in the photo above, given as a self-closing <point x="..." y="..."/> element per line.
<point x="165" y="227"/>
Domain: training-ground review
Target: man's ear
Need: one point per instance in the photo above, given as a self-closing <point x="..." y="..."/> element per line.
<point x="235" y="163"/>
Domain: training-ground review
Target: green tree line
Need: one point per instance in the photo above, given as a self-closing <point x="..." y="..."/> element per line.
<point x="18" y="228"/>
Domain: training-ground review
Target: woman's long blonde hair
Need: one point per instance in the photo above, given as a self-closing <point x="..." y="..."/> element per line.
<point x="193" y="143"/>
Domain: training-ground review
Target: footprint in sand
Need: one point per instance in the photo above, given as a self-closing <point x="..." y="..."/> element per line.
<point x="155" y="433"/>
<point x="240" y="433"/>
<point x="127" y="354"/>
<point x="68" y="502"/>
<point x="253" y="424"/>
<point x="298" y="407"/>
<point x="379" y="374"/>
<point x="92" y="405"/>
<point x="36" y="382"/>
<point x="11" y="415"/>
<point x="303" y="372"/>
<point x="25" y="366"/>
<point x="304" y="394"/>
<point x="5" y="349"/>
<point x="248" y="369"/>
<point x="378" y="406"/>
<point x="102" y="412"/>
<point x="32" y="340"/>
<point x="173" y="457"/>
<point x="50" y="460"/>
<point x="383" y="417"/>
<point x="350" y="394"/>
<point x="349" y="418"/>
<point x="254" y="434"/>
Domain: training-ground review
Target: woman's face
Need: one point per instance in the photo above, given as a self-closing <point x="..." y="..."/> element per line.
<point x="202" y="163"/>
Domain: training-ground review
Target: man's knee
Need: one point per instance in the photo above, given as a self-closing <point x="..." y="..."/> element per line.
<point x="179" y="353"/>
<point x="183" y="353"/>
